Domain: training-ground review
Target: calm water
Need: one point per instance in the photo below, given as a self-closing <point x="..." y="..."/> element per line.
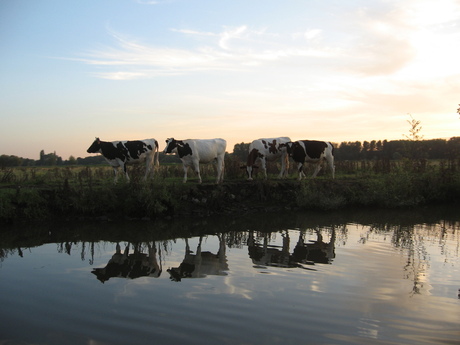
<point x="331" y="278"/>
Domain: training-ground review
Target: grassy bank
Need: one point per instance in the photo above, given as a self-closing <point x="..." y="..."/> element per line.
<point x="89" y="192"/>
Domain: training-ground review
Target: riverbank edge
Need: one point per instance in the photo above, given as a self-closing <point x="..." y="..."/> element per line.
<point x="161" y="200"/>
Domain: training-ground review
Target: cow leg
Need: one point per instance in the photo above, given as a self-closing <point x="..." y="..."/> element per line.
<point x="330" y="162"/>
<point x="125" y="169"/>
<point x="196" y="167"/>
<point x="318" y="168"/>
<point x="222" y="172"/>
<point x="115" y="174"/>
<point x="149" y="162"/>
<point x="300" y="170"/>
<point x="263" y="164"/>
<point x="185" y="173"/>
<point x="249" y="172"/>
<point x="220" y="169"/>
<point x="284" y="166"/>
<point x="198" y="259"/>
<point x="303" y="174"/>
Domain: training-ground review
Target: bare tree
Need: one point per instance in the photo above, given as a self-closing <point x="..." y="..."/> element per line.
<point x="415" y="128"/>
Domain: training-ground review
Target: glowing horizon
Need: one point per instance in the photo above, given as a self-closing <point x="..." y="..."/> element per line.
<point x="307" y="70"/>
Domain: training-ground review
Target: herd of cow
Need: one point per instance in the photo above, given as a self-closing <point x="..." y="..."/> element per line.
<point x="192" y="152"/>
<point x="201" y="263"/>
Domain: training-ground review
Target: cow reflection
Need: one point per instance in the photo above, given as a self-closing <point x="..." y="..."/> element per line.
<point x="126" y="265"/>
<point x="305" y="253"/>
<point x="201" y="264"/>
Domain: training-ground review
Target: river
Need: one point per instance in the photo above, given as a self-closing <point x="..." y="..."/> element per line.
<point x="350" y="277"/>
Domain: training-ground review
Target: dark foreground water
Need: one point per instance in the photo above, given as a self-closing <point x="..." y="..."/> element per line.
<point x="332" y="278"/>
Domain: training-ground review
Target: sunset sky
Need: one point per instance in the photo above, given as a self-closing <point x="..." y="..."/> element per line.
<point x="239" y="70"/>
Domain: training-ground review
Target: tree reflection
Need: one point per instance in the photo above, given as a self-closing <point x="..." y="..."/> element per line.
<point x="412" y="240"/>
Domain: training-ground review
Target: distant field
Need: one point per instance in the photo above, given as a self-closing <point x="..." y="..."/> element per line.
<point x="234" y="170"/>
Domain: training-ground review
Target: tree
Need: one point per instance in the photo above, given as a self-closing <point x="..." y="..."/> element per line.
<point x="241" y="151"/>
<point x="72" y="160"/>
<point x="42" y="157"/>
<point x="414" y="131"/>
<point x="49" y="158"/>
<point x="413" y="145"/>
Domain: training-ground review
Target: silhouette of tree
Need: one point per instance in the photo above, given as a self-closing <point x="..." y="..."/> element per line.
<point x="415" y="128"/>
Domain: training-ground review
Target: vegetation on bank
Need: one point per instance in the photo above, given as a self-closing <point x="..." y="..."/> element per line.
<point x="74" y="192"/>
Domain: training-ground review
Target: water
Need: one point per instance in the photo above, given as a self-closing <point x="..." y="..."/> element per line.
<point x="332" y="278"/>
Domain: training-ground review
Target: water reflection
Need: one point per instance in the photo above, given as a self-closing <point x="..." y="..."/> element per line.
<point x="134" y="265"/>
<point x="269" y="242"/>
<point x="304" y="253"/>
<point x="202" y="263"/>
<point x="338" y="278"/>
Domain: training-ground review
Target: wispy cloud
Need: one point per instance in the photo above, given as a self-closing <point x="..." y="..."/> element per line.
<point x="234" y="48"/>
<point x="367" y="42"/>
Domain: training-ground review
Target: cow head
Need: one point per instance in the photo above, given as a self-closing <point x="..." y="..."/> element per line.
<point x="290" y="146"/>
<point x="171" y="144"/>
<point x="178" y="147"/>
<point x="251" y="162"/>
<point x="95" y="146"/>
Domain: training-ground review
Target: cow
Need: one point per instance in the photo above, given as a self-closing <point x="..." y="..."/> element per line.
<point x="192" y="152"/>
<point x="132" y="266"/>
<point x="120" y="153"/>
<point x="202" y="263"/>
<point x="311" y="151"/>
<point x="268" y="149"/>
<point x="305" y="253"/>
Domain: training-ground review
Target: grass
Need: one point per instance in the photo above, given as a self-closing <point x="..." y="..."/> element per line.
<point x="89" y="192"/>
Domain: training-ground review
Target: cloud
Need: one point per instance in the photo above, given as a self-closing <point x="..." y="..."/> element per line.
<point x="232" y="49"/>
<point x="232" y="34"/>
<point x="415" y="35"/>
<point x="312" y="34"/>
<point x="390" y="40"/>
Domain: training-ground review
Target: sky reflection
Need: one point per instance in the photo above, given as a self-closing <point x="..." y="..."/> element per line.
<point x="343" y="283"/>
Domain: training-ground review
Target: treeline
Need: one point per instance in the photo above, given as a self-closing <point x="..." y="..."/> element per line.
<point x="50" y="159"/>
<point x="384" y="149"/>
<point x="345" y="151"/>
<point x="397" y="149"/>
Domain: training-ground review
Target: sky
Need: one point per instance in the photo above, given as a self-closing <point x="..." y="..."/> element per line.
<point x="330" y="70"/>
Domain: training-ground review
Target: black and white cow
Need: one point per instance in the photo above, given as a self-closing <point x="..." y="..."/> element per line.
<point x="120" y="153"/>
<point x="131" y="265"/>
<point x="311" y="151"/>
<point x="305" y="253"/>
<point x="192" y="152"/>
<point x="268" y="149"/>
<point x="202" y="263"/>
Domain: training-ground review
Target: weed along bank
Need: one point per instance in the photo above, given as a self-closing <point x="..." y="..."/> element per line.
<point x="89" y="192"/>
